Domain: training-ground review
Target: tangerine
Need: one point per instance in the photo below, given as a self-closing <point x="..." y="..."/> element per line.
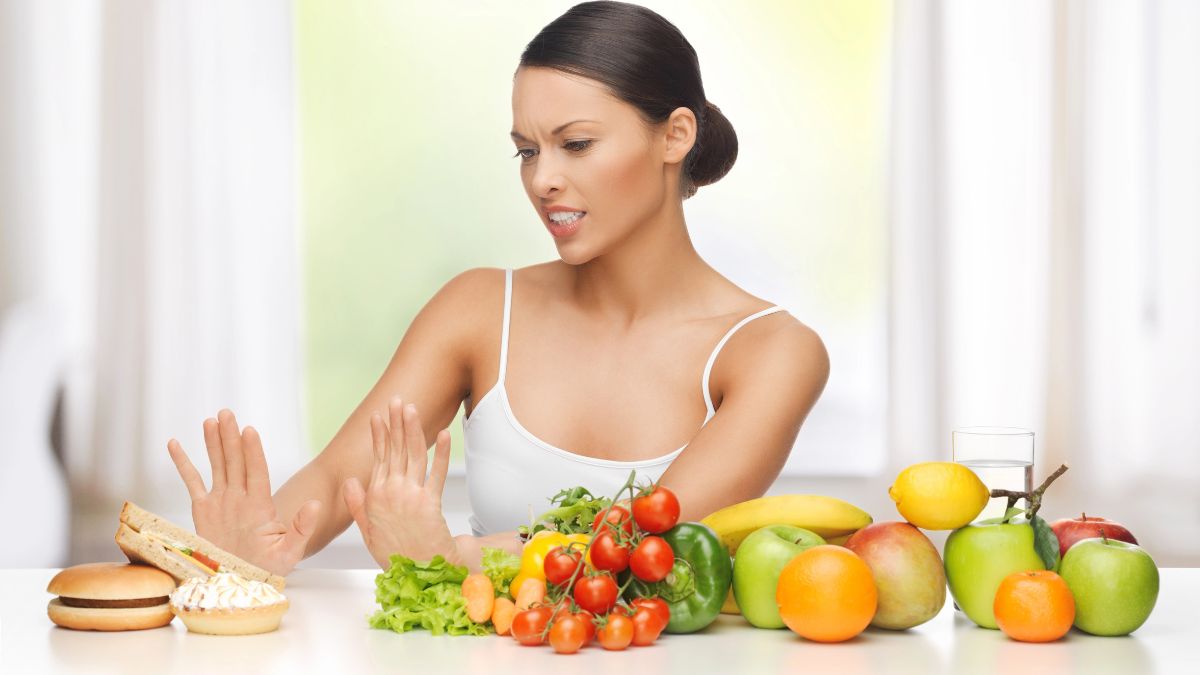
<point x="1034" y="606"/>
<point x="827" y="594"/>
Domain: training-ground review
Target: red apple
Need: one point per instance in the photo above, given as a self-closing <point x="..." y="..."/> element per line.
<point x="1071" y="530"/>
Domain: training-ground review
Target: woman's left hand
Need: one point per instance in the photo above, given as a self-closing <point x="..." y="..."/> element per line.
<point x="401" y="511"/>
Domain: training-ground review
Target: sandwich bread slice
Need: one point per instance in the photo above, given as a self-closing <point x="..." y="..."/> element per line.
<point x="147" y="538"/>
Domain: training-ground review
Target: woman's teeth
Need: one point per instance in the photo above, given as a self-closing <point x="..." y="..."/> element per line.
<point x="565" y="217"/>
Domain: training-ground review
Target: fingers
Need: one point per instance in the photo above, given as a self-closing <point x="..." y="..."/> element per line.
<point x="231" y="442"/>
<point x="398" y="461"/>
<point x="305" y="522"/>
<point x="414" y="440"/>
<point x="216" y="454"/>
<point x="441" y="464"/>
<point x="189" y="474"/>
<point x="379" y="447"/>
<point x="356" y="500"/>
<point x="258" y="479"/>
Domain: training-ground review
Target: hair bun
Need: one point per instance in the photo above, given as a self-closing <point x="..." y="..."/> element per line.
<point x="715" y="150"/>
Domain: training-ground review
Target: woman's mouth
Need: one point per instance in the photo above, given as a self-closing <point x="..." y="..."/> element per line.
<point x="564" y="224"/>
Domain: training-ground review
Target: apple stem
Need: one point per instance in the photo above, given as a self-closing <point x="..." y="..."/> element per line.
<point x="1033" y="500"/>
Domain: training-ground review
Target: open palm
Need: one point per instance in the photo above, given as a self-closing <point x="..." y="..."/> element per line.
<point x="400" y="509"/>
<point x="238" y="514"/>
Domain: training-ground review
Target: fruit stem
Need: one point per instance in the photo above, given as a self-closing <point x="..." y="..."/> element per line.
<point x="1033" y="500"/>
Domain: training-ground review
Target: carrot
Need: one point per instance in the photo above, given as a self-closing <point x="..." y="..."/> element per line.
<point x="480" y="595"/>
<point x="502" y="615"/>
<point x="532" y="591"/>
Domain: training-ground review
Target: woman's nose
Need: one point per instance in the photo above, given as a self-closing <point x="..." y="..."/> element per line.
<point x="547" y="176"/>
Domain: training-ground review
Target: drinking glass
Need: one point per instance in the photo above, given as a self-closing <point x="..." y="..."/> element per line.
<point x="1002" y="457"/>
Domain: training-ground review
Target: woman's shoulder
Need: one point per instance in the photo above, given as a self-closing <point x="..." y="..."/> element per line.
<point x="472" y="289"/>
<point x="775" y="345"/>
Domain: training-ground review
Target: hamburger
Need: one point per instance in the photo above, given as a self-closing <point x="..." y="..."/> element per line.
<point x="111" y="597"/>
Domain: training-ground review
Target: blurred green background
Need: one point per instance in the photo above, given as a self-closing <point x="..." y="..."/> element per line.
<point x="407" y="173"/>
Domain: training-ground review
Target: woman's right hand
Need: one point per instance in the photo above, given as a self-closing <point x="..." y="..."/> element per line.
<point x="238" y="514"/>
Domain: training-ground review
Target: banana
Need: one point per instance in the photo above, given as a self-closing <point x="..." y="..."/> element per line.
<point x="827" y="516"/>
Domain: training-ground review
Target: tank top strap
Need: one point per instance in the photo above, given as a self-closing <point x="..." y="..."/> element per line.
<point x="717" y="350"/>
<point x="508" y="274"/>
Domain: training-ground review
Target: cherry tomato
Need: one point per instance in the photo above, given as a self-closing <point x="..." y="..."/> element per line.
<point x="617" y="633"/>
<point x="528" y="625"/>
<point x="656" y="605"/>
<point x="568" y="634"/>
<point x="619" y="516"/>
<point x="657" y="511"/>
<point x="560" y="564"/>
<point x="652" y="559"/>
<point x="647" y="626"/>
<point x="607" y="554"/>
<point x="596" y="593"/>
<point x="589" y="621"/>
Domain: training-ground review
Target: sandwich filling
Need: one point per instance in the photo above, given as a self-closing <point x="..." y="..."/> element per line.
<point x="224" y="590"/>
<point x="205" y="563"/>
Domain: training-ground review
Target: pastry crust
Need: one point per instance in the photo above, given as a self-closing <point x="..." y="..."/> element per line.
<point x="232" y="621"/>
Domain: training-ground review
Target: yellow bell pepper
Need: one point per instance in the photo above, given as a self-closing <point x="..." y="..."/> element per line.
<point x="533" y="556"/>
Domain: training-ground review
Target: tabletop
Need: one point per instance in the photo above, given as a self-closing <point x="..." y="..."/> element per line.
<point x="326" y="630"/>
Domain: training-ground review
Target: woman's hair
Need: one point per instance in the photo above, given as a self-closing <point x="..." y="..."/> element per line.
<point x="646" y="62"/>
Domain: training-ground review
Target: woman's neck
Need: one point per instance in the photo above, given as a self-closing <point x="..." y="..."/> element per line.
<point x="653" y="270"/>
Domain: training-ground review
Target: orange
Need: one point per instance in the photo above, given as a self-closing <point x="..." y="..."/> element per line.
<point x="1034" y="606"/>
<point x="826" y="594"/>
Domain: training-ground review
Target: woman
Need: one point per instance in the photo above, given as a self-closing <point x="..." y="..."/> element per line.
<point x="607" y="357"/>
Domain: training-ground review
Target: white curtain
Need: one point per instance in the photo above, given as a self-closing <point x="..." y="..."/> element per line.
<point x="1046" y="245"/>
<point x="164" y="224"/>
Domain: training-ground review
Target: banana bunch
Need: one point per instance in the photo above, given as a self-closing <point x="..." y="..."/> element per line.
<point x="833" y="519"/>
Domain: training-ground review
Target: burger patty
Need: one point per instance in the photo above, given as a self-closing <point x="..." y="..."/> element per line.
<point x="112" y="604"/>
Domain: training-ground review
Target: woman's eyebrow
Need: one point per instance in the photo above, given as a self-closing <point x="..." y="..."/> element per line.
<point x="517" y="136"/>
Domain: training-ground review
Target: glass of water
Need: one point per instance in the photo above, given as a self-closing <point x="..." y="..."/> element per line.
<point x="1002" y="457"/>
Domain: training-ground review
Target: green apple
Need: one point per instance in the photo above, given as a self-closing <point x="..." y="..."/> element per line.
<point x="760" y="558"/>
<point x="907" y="570"/>
<point x="979" y="556"/>
<point x="1115" y="585"/>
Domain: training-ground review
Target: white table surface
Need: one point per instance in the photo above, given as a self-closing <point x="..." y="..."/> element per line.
<point x="326" y="631"/>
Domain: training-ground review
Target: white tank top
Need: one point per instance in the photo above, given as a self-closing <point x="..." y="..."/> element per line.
<point x="511" y="474"/>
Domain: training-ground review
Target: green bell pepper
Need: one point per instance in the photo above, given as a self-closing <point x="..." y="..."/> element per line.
<point x="698" y="583"/>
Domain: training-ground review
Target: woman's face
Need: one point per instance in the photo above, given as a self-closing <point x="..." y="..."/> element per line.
<point x="583" y="150"/>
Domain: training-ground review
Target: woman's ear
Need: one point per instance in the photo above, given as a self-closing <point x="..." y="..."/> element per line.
<point x="680" y="135"/>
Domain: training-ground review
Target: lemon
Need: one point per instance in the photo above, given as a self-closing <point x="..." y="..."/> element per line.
<point x="939" y="495"/>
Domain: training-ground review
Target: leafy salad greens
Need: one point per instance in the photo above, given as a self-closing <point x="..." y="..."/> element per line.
<point x="574" y="510"/>
<point x="423" y="595"/>
<point x="414" y="594"/>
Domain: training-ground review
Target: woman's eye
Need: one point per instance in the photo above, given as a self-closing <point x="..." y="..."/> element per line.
<point x="527" y="154"/>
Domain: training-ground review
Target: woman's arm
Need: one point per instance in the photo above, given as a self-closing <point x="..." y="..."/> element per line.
<point x="471" y="547"/>
<point x="430" y="368"/>
<point x="768" y="377"/>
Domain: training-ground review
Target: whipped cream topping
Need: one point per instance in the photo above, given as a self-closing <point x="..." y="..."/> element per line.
<point x="224" y="590"/>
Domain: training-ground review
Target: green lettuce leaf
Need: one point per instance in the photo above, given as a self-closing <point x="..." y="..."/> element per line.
<point x="413" y="595"/>
<point x="501" y="567"/>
